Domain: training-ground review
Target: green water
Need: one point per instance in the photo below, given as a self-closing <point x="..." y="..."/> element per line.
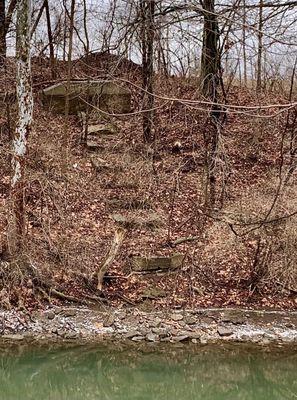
<point x="149" y="373"/>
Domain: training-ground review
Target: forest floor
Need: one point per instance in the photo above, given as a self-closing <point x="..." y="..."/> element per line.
<point x="233" y="261"/>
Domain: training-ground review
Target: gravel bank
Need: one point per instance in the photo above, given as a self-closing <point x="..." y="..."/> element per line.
<point x="184" y="326"/>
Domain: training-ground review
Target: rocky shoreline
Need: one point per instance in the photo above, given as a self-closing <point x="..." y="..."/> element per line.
<point x="201" y="326"/>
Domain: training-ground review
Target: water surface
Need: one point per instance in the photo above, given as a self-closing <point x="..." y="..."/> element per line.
<point x="150" y="373"/>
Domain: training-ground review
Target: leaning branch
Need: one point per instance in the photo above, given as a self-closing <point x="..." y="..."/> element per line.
<point x="112" y="253"/>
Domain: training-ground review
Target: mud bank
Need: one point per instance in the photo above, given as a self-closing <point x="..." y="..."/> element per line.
<point x="173" y="326"/>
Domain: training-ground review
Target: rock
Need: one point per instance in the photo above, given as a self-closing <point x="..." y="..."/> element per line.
<point x="129" y="204"/>
<point x="94" y="146"/>
<point x="68" y="313"/>
<point x="150" y="221"/>
<point x="180" y="338"/>
<point x="194" y="335"/>
<point x="142" y="263"/>
<point x="225" y="319"/>
<point x="144" y="331"/>
<point x="190" y="320"/>
<point x="99" y="164"/>
<point x="71" y="335"/>
<point x="266" y="341"/>
<point x="106" y="95"/>
<point x="154" y="323"/>
<point x="102" y="130"/>
<point x="223" y="331"/>
<point x="153" y="293"/>
<point x="164" y="333"/>
<point x="176" y="317"/>
<point x="203" y="340"/>
<point x="50" y="315"/>
<point x="207" y="320"/>
<point x="61" y="332"/>
<point x="109" y="321"/>
<point x="131" y="334"/>
<point x="16" y="337"/>
<point x="152" y="337"/>
<point x="238" y="320"/>
<point x="138" y="338"/>
<point x="235" y="318"/>
<point x="194" y="341"/>
<point x="122" y="314"/>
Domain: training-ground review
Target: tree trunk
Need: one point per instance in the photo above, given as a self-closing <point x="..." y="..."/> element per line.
<point x="260" y="47"/>
<point x="50" y="40"/>
<point x="210" y="58"/>
<point x="148" y="33"/>
<point x="87" y="51"/>
<point x="2" y="33"/>
<point x="244" y="52"/>
<point x="210" y="80"/>
<point x="69" y="57"/>
<point x="25" y="110"/>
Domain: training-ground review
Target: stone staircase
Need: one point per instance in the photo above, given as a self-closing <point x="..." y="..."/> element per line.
<point x="128" y="208"/>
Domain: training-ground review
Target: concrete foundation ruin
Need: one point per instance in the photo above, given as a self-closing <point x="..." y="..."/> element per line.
<point x="105" y="95"/>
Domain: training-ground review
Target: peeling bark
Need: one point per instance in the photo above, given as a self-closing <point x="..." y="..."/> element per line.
<point x="25" y="110"/>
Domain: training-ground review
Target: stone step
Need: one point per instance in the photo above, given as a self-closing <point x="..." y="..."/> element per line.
<point x="94" y="146"/>
<point x="101" y="165"/>
<point x="149" y="221"/>
<point x="122" y="184"/>
<point x="153" y="263"/>
<point x="102" y="129"/>
<point x="129" y="204"/>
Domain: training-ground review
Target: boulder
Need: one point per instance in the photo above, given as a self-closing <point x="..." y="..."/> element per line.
<point x="143" y="263"/>
<point x="105" y="95"/>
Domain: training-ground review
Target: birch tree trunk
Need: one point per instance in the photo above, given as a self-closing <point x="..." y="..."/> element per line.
<point x="25" y="110"/>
